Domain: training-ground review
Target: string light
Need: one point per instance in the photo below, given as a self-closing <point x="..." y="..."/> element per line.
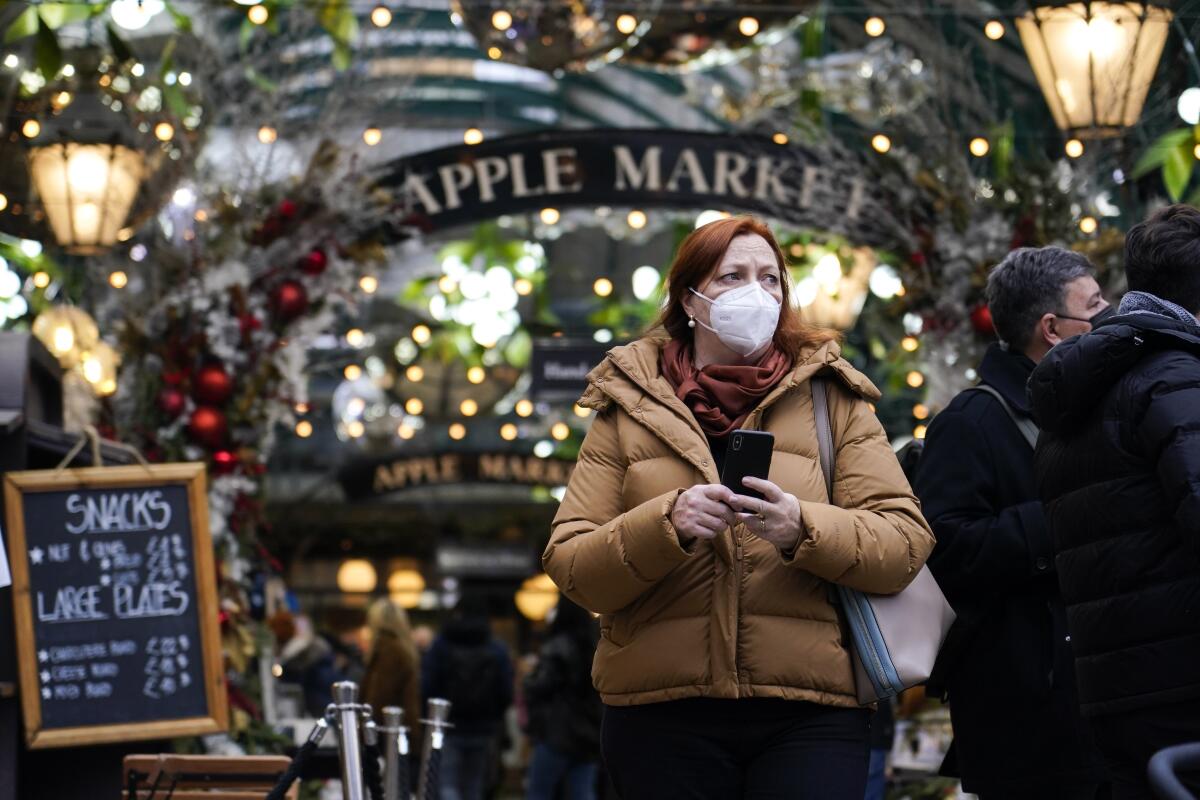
<point x="560" y="431"/>
<point x="921" y="411"/>
<point x="355" y="337"/>
<point x="368" y="283"/>
<point x="301" y="408"/>
<point x="447" y="285"/>
<point x="164" y="131"/>
<point x="352" y="372"/>
<point x="994" y="29"/>
<point x="508" y="431"/>
<point x="979" y="147"/>
<point x="356" y="429"/>
<point x="372" y="135"/>
<point x="258" y="14"/>
<point x="626" y="23"/>
<point x="1195" y="152"/>
<point x="523" y="286"/>
<point x="304" y="429"/>
<point x="780" y="138"/>
<point x="415" y="374"/>
<point x="3" y="201"/>
<point x="550" y="216"/>
<point x="524" y="408"/>
<point x="41" y="279"/>
<point x="748" y="26"/>
<point x="603" y="287"/>
<point x="881" y="143"/>
<point x="381" y="17"/>
<point x="421" y="334"/>
<point x="1088" y="225"/>
<point x="476" y="375"/>
<point x="31" y="128"/>
<point x="581" y="412"/>
<point x="468" y="407"/>
<point x="875" y="27"/>
<point x="919" y="432"/>
<point x="494" y="53"/>
<point x="502" y="20"/>
<point x="414" y="406"/>
<point x="458" y="431"/>
<point x="406" y="431"/>
<point x="1074" y="148"/>
<point x="636" y="219"/>
<point x="472" y="136"/>
<point x="915" y="379"/>
<point x="118" y="279"/>
<point x="910" y="344"/>
<point x="267" y="134"/>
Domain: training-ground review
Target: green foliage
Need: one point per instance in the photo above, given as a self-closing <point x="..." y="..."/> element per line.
<point x="1173" y="154"/>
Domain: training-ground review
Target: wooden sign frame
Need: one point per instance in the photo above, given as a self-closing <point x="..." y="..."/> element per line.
<point x="192" y="476"/>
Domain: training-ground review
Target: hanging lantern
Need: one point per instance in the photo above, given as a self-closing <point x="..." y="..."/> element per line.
<point x="99" y="367"/>
<point x="405" y="587"/>
<point x="832" y="296"/>
<point x="1095" y="61"/>
<point x="86" y="190"/>
<point x="536" y="597"/>
<point x="356" y="575"/>
<point x="67" y="332"/>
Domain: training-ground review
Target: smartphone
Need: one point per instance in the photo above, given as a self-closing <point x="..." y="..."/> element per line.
<point x="747" y="455"/>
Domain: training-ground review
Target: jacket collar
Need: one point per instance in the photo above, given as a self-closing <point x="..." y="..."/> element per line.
<point x="1008" y="373"/>
<point x="630" y="377"/>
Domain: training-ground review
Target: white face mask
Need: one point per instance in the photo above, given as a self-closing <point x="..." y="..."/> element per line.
<point x="744" y="319"/>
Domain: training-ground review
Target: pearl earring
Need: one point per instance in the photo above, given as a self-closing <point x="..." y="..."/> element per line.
<point x="691" y="322"/>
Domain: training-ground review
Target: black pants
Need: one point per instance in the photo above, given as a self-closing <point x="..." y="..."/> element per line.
<point x="1128" y="741"/>
<point x="759" y="748"/>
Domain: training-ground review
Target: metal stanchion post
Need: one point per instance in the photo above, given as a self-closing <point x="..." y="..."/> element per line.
<point x="371" y="773"/>
<point x="431" y="756"/>
<point x="345" y="699"/>
<point x="395" y="754"/>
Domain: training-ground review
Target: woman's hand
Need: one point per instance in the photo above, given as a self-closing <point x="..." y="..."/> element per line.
<point x="775" y="519"/>
<point x="702" y="512"/>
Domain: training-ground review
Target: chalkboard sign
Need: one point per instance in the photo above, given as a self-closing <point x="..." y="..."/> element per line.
<point x="115" y="602"/>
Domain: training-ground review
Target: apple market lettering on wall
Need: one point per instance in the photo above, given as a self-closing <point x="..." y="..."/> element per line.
<point x="804" y="186"/>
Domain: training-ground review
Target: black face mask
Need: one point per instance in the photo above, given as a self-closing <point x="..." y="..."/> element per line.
<point x="1097" y="319"/>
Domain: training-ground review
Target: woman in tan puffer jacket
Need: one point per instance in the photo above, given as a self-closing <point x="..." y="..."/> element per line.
<point x="722" y="664"/>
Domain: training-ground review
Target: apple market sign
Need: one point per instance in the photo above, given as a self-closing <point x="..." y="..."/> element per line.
<point x="802" y="185"/>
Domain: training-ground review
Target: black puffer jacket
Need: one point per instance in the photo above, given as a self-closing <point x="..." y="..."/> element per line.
<point x="1118" y="466"/>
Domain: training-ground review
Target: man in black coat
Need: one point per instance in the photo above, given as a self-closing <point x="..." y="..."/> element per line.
<point x="1007" y="668"/>
<point x="1119" y="469"/>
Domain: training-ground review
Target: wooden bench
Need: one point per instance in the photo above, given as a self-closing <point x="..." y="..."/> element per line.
<point x="157" y="777"/>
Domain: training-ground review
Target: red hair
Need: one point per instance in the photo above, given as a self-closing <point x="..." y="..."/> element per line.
<point x="700" y="253"/>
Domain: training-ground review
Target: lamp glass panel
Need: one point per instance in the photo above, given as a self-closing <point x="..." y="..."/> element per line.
<point x="86" y="190"/>
<point x="1094" y="61"/>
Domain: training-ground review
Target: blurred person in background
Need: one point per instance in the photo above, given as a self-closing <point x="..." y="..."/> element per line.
<point x="469" y="667"/>
<point x="563" y="709"/>
<point x="393" y="671"/>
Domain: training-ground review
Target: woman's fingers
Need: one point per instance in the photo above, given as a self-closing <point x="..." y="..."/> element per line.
<point x="751" y="505"/>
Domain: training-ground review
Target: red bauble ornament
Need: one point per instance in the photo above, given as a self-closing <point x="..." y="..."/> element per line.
<point x="289" y="300"/>
<point x="224" y="461"/>
<point x="171" y="402"/>
<point x="314" y="263"/>
<point x="287" y="209"/>
<point x="207" y="426"/>
<point x="212" y="385"/>
<point x="981" y="321"/>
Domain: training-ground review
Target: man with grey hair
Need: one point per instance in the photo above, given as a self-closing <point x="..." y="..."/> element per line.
<point x="1007" y="668"/>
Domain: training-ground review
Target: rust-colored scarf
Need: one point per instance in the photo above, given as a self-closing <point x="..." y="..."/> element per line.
<point x="721" y="397"/>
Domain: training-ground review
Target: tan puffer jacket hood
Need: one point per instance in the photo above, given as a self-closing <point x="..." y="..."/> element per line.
<point x="730" y="617"/>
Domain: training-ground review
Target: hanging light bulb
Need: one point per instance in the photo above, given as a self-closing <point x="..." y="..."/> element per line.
<point x="502" y="20"/>
<point x="372" y="135"/>
<point x="636" y="219"/>
<point x="258" y="14"/>
<point x="979" y="147"/>
<point x="381" y="16"/>
<point x="881" y="143"/>
<point x="994" y="29"/>
<point x="267" y="134"/>
<point x="748" y="26"/>
<point x="875" y="27"/>
<point x="472" y="136"/>
<point x="626" y="23"/>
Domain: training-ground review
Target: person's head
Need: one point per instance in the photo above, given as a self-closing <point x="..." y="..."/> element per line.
<point x="386" y="618"/>
<point x="724" y="256"/>
<point x="1162" y="256"/>
<point x="1040" y="296"/>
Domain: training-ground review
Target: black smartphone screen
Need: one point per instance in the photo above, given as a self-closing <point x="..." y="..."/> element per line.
<point x="747" y="455"/>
